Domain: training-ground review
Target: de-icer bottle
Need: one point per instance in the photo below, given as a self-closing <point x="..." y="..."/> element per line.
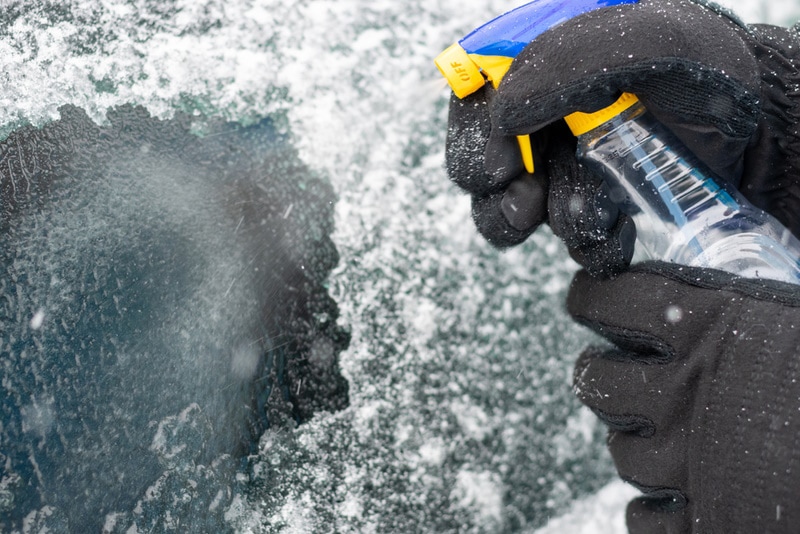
<point x="683" y="213"/>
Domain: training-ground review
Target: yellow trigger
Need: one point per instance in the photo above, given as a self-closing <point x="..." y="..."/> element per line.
<point x="495" y="68"/>
<point x="527" y="151"/>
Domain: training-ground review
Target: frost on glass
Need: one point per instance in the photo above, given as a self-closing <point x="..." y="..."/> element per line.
<point x="161" y="305"/>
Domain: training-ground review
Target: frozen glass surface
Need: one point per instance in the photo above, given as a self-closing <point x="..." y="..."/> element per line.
<point x="161" y="306"/>
<point x="233" y="190"/>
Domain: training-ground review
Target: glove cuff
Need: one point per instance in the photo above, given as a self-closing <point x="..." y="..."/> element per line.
<point x="771" y="178"/>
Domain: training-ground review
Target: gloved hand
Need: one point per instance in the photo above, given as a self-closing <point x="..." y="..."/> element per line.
<point x="728" y="91"/>
<point x="701" y="393"/>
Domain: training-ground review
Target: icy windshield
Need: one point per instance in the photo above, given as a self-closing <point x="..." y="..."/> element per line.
<point x="238" y="292"/>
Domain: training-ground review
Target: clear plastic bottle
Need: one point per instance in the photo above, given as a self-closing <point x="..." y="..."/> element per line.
<point x="682" y="212"/>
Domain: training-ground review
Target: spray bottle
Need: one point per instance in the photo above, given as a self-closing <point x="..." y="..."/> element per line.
<point x="682" y="211"/>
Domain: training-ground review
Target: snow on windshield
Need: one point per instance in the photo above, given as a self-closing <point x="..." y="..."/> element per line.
<point x="239" y="293"/>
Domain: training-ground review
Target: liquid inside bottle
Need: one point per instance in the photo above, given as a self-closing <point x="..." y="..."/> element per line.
<point x="683" y="213"/>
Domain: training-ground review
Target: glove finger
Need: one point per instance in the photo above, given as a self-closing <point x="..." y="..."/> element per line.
<point x="643" y="516"/>
<point x="507" y="203"/>
<point x="582" y="214"/>
<point x="690" y="67"/>
<point x="611" y="253"/>
<point x="508" y="217"/>
<point x="469" y="128"/>
<point x="656" y="466"/>
<point x="503" y="159"/>
<point x="651" y="311"/>
<point x="644" y="407"/>
<point x="632" y="395"/>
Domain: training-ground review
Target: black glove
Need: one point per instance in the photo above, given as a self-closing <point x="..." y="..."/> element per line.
<point x="728" y="91"/>
<point x="701" y="393"/>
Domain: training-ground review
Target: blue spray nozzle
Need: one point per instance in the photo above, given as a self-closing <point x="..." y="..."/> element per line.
<point x="509" y="33"/>
<point x="487" y="52"/>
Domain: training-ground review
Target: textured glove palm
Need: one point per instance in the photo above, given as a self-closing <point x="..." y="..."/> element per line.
<point x="701" y="393"/>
